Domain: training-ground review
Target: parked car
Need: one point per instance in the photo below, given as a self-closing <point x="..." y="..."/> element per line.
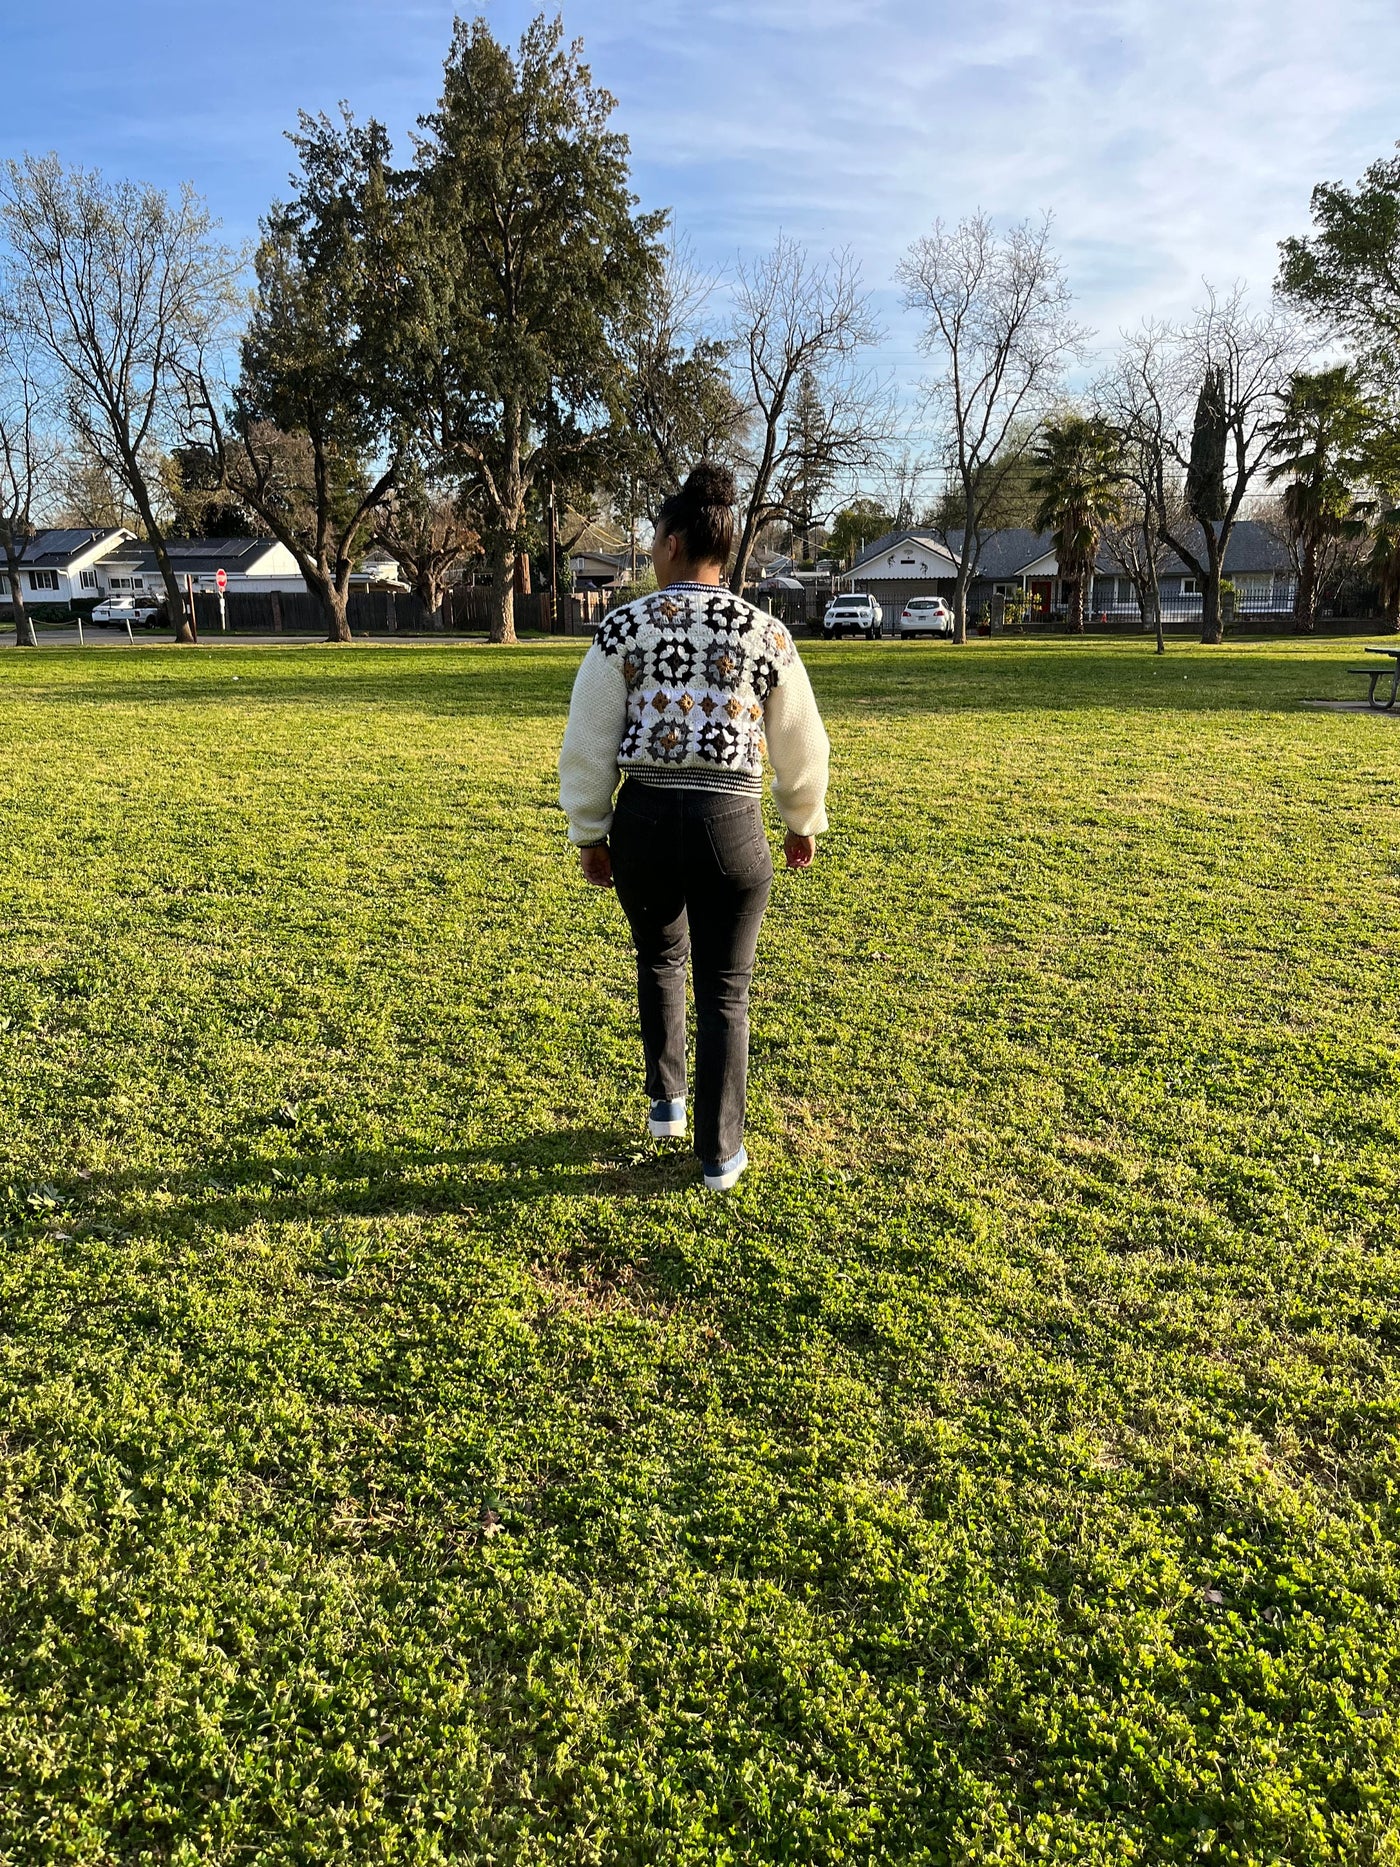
<point x="926" y="615"/>
<point x="115" y="612"/>
<point x="857" y="613"/>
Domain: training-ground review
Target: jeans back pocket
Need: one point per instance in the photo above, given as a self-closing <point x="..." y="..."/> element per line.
<point x="740" y="844"/>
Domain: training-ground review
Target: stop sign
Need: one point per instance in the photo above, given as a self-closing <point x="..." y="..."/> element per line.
<point x="221" y="578"/>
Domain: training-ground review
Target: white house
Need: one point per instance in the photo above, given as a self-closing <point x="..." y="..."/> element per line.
<point x="914" y="557"/>
<point x="250" y="565"/>
<point x="377" y="570"/>
<point x="64" y="566"/>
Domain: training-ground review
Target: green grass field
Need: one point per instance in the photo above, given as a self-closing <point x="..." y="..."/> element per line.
<point x="404" y="1461"/>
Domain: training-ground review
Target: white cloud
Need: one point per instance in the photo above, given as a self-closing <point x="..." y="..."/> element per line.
<point x="1171" y="138"/>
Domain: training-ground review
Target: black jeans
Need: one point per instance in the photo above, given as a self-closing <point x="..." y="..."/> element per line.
<point x="693" y="871"/>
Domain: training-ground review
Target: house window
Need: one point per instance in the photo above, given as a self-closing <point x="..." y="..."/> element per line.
<point x="88" y="579"/>
<point x="137" y="583"/>
<point x="43" y="580"/>
<point x="1190" y="587"/>
<point x="4" y="586"/>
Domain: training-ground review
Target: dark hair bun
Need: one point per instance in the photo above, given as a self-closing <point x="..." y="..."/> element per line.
<point x="701" y="514"/>
<point x="709" y="484"/>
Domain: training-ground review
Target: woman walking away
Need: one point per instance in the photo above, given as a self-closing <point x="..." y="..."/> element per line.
<point x="679" y="692"/>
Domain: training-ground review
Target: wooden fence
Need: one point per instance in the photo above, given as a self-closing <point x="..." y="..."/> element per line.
<point x="466" y="610"/>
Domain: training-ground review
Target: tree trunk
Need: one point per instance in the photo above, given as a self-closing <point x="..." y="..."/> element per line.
<point x="742" y="556"/>
<point x="522" y="573"/>
<point x="336" y="603"/>
<point x="175" y="609"/>
<point x="1305" y="597"/>
<point x="1154" y="615"/>
<point x="1077" y="608"/>
<point x="1211" y="632"/>
<point x="502" y="562"/>
<point x="966" y="559"/>
<point x="24" y="628"/>
<point x="333" y="594"/>
<point x="429" y="591"/>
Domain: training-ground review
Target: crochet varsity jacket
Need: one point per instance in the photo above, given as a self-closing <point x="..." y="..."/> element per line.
<point x="690" y="686"/>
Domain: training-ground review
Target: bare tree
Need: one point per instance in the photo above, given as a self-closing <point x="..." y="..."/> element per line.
<point x="127" y="291"/>
<point x="318" y="501"/>
<point x="430" y="532"/>
<point x="796" y="323"/>
<point x="1322" y="565"/>
<point x="29" y="449"/>
<point x="1137" y="544"/>
<point x="903" y="487"/>
<point x="996" y="312"/>
<point x="87" y="493"/>
<point x="680" y="400"/>
<point x="1240" y="360"/>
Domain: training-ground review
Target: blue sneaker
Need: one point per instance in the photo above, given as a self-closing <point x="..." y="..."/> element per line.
<point x="666" y="1118"/>
<point x="720" y="1177"/>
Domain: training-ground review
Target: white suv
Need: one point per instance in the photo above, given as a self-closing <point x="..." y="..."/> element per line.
<point x="926" y="615"/>
<point x="858" y="612"/>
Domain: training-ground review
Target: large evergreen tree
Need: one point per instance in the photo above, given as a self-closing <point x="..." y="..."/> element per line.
<point x="321" y="399"/>
<point x="534" y="259"/>
<point x="1205" y="472"/>
<point x="1346" y="273"/>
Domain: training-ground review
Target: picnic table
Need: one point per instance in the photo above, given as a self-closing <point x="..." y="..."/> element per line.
<point x="1376" y="675"/>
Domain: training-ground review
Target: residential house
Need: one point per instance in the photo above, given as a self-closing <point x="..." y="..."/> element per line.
<point x="62" y="566"/>
<point x="378" y="570"/>
<point x="1016" y="560"/>
<point x="250" y="565"/>
<point x="599" y="558"/>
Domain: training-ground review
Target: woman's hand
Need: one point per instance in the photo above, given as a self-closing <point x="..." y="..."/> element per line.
<point x="799" y="850"/>
<point x="596" y="864"/>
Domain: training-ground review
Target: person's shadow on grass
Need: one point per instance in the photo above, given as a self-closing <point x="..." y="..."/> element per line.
<point x="342" y="1182"/>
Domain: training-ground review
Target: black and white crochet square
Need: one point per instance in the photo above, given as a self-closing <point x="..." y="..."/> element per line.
<point x="620" y="630"/>
<point x="674" y="656"/>
<point x="719" y="741"/>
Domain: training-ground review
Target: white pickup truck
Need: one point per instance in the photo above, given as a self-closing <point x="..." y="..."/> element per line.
<point x="857" y="612"/>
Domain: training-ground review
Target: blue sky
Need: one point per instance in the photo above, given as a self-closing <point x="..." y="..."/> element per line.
<point x="1170" y="138"/>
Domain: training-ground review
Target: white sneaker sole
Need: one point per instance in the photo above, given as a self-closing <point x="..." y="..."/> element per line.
<point x="721" y="1182"/>
<point x="664" y="1130"/>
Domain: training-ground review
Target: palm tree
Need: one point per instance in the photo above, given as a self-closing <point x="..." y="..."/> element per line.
<point x="1079" y="481"/>
<point x="1317" y="442"/>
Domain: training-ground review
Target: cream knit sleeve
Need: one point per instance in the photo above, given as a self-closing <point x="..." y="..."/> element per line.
<point x="588" y="756"/>
<point x="798" y="751"/>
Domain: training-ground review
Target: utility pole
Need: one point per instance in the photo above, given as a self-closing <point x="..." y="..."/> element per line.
<point x="553" y="561"/>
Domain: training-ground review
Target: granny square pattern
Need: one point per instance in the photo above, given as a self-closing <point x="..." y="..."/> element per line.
<point x="699" y="664"/>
